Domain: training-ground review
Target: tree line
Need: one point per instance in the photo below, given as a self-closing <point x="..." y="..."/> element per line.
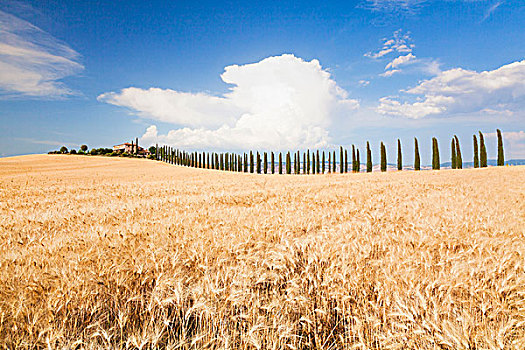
<point x="319" y="162"/>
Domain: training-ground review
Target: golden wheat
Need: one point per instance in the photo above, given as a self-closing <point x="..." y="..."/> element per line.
<point x="125" y="253"/>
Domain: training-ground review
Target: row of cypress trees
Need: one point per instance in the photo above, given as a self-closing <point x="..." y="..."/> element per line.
<point x="315" y="162"/>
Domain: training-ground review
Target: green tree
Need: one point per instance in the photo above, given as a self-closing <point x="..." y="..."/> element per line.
<point x="417" y="160"/>
<point x="258" y="160"/>
<point x="435" y="154"/>
<point x="482" y="152"/>
<point x="353" y="158"/>
<point x="312" y="164"/>
<point x="459" y="158"/>
<point x="252" y="165"/>
<point x="318" y="162"/>
<point x="323" y="163"/>
<point x="453" y="154"/>
<point x="346" y="161"/>
<point x="64" y="149"/>
<point x="383" y="157"/>
<point x="368" y="158"/>
<point x="501" y="154"/>
<point x="288" y="163"/>
<point x="476" y="152"/>
<point x="329" y="162"/>
<point x="333" y="162"/>
<point x="308" y="161"/>
<point x="358" y="162"/>
<point x="341" y="160"/>
<point x="265" y="166"/>
<point x="84" y="148"/>
<point x="399" y="156"/>
<point x="280" y="163"/>
<point x="273" y="163"/>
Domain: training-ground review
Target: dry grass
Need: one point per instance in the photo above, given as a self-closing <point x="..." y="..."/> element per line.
<point x="123" y="253"/>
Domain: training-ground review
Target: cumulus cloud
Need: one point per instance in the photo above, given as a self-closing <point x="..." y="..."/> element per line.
<point x="32" y="62"/>
<point x="463" y="91"/>
<point x="400" y="61"/>
<point x="389" y="73"/>
<point x="281" y="101"/>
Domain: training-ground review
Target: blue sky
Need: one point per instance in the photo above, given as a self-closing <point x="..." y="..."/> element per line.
<point x="276" y="75"/>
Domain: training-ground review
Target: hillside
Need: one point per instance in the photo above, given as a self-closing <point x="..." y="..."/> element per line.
<point x="114" y="252"/>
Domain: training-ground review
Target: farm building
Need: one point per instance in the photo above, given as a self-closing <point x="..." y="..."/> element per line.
<point x="130" y="148"/>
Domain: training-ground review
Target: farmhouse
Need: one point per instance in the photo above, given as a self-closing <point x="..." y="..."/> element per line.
<point x="130" y="148"/>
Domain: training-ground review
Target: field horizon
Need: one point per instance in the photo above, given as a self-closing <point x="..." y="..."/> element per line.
<point x="101" y="252"/>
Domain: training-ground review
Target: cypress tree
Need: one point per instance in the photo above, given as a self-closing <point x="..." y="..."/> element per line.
<point x="226" y="162"/>
<point x="265" y="166"/>
<point x="318" y="163"/>
<point x="323" y="163"/>
<point x="453" y="154"/>
<point x="476" y="152"/>
<point x="251" y="162"/>
<point x="368" y="158"/>
<point x="353" y="158"/>
<point x="288" y="163"/>
<point x="308" y="161"/>
<point x="435" y="154"/>
<point x="459" y="158"/>
<point x="383" y="157"/>
<point x="258" y="163"/>
<point x="333" y="162"/>
<point x="358" y="162"/>
<point x="245" y="163"/>
<point x="482" y="152"/>
<point x="304" y="162"/>
<point x="312" y="164"/>
<point x="341" y="160"/>
<point x="273" y="163"/>
<point x="501" y="154"/>
<point x="417" y="160"/>
<point x="280" y="163"/>
<point x="346" y="161"/>
<point x="329" y="162"/>
<point x="399" y="156"/>
<point x="222" y="162"/>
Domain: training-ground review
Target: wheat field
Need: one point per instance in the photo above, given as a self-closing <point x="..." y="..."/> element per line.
<point x="127" y="253"/>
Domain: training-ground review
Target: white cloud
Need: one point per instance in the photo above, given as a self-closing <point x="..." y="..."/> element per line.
<point x="400" y="61"/>
<point x="389" y="73"/>
<point x="400" y="43"/>
<point x="32" y="62"/>
<point x="513" y="142"/>
<point x="463" y="91"/>
<point x="364" y="82"/>
<point x="175" y="107"/>
<point x="406" y="6"/>
<point x="491" y="9"/>
<point x="279" y="102"/>
<point x="508" y="135"/>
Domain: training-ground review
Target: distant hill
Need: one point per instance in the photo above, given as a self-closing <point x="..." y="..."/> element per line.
<point x="490" y="162"/>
